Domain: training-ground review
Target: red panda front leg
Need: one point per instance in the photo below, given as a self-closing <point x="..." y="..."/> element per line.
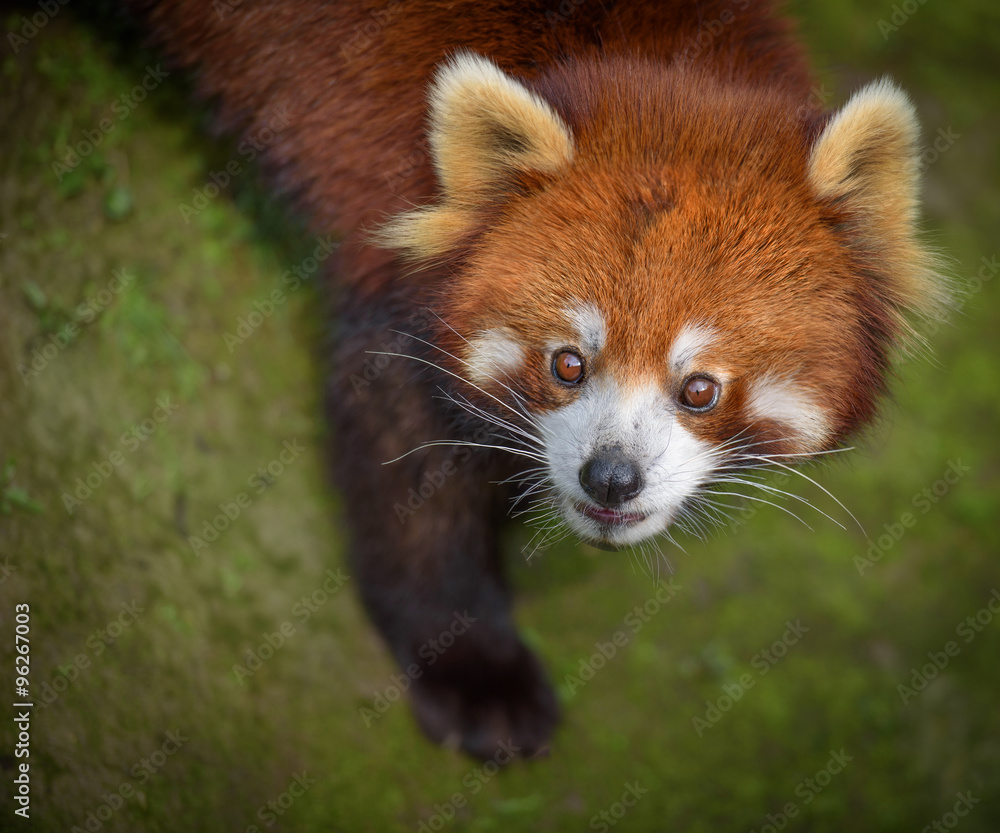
<point x="424" y="548"/>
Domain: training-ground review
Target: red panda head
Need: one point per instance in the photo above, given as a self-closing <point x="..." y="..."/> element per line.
<point x="662" y="279"/>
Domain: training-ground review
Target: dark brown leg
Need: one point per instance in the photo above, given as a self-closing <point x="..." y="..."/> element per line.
<point x="424" y="547"/>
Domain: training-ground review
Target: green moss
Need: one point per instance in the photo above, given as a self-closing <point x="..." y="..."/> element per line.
<point x="13" y="497"/>
<point x="206" y="610"/>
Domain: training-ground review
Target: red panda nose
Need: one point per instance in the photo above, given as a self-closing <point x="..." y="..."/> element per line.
<point x="610" y="478"/>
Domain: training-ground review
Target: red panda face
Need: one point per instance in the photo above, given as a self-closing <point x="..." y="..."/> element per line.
<point x="658" y="347"/>
<point x="656" y="293"/>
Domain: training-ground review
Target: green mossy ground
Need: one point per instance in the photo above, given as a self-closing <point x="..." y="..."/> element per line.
<point x="233" y="407"/>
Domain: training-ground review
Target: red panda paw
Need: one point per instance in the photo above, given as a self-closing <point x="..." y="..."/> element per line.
<point x="495" y="711"/>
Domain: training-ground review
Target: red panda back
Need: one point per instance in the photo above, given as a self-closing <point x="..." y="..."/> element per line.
<point x="629" y="258"/>
<point x="351" y="79"/>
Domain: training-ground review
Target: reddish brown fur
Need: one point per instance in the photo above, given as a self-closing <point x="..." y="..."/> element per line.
<point x="686" y="202"/>
<point x="358" y="116"/>
<point x="729" y="235"/>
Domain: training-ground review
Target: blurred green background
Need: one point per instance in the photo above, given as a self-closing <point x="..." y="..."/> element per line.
<point x="701" y="722"/>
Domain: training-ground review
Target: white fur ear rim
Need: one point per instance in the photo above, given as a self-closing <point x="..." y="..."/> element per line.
<point x="484" y="126"/>
<point x="872" y="138"/>
<point x="868" y="155"/>
<point x="483" y="120"/>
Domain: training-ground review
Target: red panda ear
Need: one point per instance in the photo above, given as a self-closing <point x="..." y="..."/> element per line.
<point x="484" y="127"/>
<point x="866" y="159"/>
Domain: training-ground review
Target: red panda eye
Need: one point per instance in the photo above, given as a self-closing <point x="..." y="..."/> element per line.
<point x="700" y="393"/>
<point x="567" y="367"/>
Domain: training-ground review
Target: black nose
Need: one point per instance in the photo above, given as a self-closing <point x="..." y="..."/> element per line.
<point x="610" y="478"/>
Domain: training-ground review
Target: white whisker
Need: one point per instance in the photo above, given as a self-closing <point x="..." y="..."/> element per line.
<point x="779" y="492"/>
<point x="784" y="509"/>
<point x="467" y="444"/>
<point x="453" y="375"/>
<point x="825" y="491"/>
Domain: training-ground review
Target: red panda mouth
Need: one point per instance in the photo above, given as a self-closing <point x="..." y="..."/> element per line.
<point x="609" y="517"/>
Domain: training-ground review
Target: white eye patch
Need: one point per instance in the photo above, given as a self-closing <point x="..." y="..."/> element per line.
<point x="690" y="342"/>
<point x="493" y="356"/>
<point x="778" y="399"/>
<point x="588" y="321"/>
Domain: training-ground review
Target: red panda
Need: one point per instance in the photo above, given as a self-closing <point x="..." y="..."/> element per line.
<point x="612" y="255"/>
